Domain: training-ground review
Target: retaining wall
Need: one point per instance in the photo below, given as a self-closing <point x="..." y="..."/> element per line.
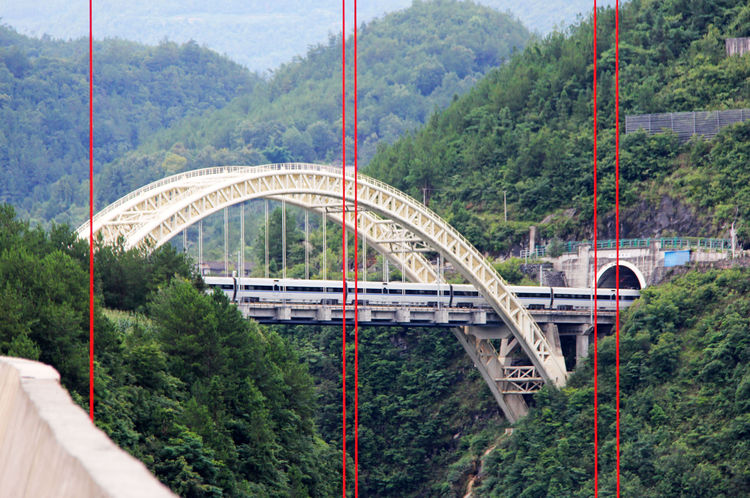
<point x="50" y="448"/>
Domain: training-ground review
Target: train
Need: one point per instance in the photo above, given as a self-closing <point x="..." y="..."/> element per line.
<point x="331" y="292"/>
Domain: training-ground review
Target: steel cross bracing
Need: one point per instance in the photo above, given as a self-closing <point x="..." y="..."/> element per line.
<point x="157" y="212"/>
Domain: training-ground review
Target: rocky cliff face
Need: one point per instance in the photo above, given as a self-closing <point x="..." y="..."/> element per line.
<point x="664" y="218"/>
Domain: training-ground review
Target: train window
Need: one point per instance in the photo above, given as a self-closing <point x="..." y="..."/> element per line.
<point x="227" y="286"/>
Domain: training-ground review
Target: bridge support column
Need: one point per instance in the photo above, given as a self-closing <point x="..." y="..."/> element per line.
<point x="582" y="345"/>
<point x="492" y="368"/>
<point x="553" y="337"/>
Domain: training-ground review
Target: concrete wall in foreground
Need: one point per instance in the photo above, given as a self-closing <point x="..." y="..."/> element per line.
<point x="50" y="448"/>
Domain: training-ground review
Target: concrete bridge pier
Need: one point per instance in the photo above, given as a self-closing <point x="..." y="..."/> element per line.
<point x="552" y="334"/>
<point x="582" y="344"/>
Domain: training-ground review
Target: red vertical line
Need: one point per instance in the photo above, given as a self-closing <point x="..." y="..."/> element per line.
<point x="617" y="231"/>
<point x="596" y="318"/>
<point x="91" y="211"/>
<point x="343" y="242"/>
<point x="356" y="278"/>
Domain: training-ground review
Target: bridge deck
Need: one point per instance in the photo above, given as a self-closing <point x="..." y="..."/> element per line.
<point x="399" y="316"/>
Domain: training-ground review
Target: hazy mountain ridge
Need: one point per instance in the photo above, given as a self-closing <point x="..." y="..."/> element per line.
<point x="410" y="63"/>
<point x="280" y="30"/>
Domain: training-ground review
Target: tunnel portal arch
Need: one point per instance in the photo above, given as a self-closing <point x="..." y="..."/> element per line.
<point x="630" y="276"/>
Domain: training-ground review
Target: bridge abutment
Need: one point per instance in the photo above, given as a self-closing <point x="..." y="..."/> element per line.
<point x="647" y="262"/>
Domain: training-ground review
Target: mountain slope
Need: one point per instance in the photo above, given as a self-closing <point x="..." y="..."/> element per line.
<point x="526" y="129"/>
<point x="258" y="34"/>
<point x="685" y="421"/>
<point x="138" y="90"/>
<point x="210" y="402"/>
<point x="410" y="63"/>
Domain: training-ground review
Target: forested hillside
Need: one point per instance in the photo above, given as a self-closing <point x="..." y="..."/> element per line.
<point x="425" y="415"/>
<point x="228" y="407"/>
<point x="526" y="129"/>
<point x="219" y="406"/>
<point x="685" y="400"/>
<point x="210" y="402"/>
<point x="44" y="134"/>
<point x="410" y="63"/>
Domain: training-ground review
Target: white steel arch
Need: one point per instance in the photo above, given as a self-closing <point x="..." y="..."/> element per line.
<point x="157" y="212"/>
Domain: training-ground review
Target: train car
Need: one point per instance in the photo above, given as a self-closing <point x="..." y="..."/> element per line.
<point x="331" y="292"/>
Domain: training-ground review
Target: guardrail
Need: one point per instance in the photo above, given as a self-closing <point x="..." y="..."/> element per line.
<point x="674" y="243"/>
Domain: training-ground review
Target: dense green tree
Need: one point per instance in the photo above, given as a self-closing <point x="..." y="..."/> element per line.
<point x="683" y="375"/>
<point x="213" y="405"/>
<point x="128" y="277"/>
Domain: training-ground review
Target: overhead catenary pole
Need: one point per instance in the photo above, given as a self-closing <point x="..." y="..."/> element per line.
<point x="439" y="279"/>
<point x="226" y="241"/>
<point x="307" y="245"/>
<point x="267" y="272"/>
<point x="200" y="246"/>
<point x="283" y="240"/>
<point x="364" y="259"/>
<point x="241" y="262"/>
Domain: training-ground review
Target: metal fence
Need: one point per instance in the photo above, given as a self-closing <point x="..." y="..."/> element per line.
<point x="686" y="124"/>
<point x="737" y="46"/>
<point x="663" y="243"/>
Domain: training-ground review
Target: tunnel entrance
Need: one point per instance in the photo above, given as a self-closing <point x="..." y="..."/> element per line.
<point x="628" y="278"/>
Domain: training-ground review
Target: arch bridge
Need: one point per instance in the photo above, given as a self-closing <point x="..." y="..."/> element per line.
<point x="394" y="224"/>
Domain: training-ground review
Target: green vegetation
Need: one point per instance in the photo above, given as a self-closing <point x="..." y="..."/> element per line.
<point x="212" y="404"/>
<point x="227" y="407"/>
<point x="154" y="105"/>
<point x="526" y="129"/>
<point x="256" y="33"/>
<point x="424" y="412"/>
<point x="685" y="385"/>
<point x="410" y="63"/>
<point x="44" y="135"/>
